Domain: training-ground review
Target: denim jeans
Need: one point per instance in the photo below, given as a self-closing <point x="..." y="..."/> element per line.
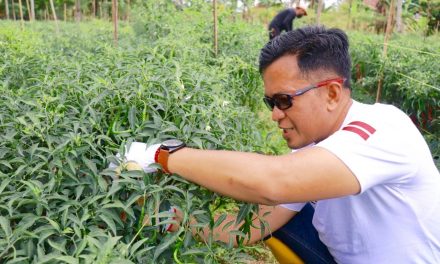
<point x="301" y="236"/>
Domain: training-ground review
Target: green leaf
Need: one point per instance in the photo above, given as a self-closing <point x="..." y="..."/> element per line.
<point x="107" y="249"/>
<point x="132" y="117"/>
<point x="245" y="209"/>
<point x="60" y="246"/>
<point x="4" y="222"/>
<point x="136" y="245"/>
<point x="90" y="165"/>
<point x="220" y="220"/>
<point x="54" y="224"/>
<point x="195" y="251"/>
<point x="166" y="243"/>
<point x="198" y="142"/>
<point x="5" y="183"/>
<point x="109" y="221"/>
<point x="18" y="260"/>
<point x="68" y="259"/>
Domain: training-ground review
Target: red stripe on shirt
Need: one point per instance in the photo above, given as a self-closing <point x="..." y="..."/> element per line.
<point x="364" y="126"/>
<point x="358" y="131"/>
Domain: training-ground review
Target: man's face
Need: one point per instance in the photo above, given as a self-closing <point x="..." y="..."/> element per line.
<point x="305" y="122"/>
<point x="299" y="12"/>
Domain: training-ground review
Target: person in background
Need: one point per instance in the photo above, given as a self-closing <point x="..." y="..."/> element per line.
<point x="283" y="21"/>
<point x="360" y="186"/>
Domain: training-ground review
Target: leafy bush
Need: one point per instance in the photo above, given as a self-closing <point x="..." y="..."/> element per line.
<point x="68" y="105"/>
<point x="69" y="102"/>
<point x="410" y="78"/>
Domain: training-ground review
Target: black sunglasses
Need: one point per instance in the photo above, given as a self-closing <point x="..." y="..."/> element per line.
<point x="285" y="101"/>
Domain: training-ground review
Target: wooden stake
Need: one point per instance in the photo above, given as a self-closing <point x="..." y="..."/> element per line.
<point x="54" y="14"/>
<point x="319" y="11"/>
<point x="127" y="16"/>
<point x="93" y="8"/>
<point x="7" y="9"/>
<point x="115" y="21"/>
<point x="388" y="32"/>
<point x="78" y="10"/>
<point x="20" y="7"/>
<point x="29" y="10"/>
<point x="33" y="9"/>
<point x="214" y="12"/>
<point x="13" y="10"/>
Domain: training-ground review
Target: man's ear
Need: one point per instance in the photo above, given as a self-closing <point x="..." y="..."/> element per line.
<point x="334" y="94"/>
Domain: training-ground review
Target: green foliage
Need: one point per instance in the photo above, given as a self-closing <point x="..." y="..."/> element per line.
<point x="70" y="102"/>
<point x="68" y="105"/>
<point x="410" y="78"/>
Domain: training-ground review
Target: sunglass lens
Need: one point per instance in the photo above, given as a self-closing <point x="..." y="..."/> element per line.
<point x="282" y="101"/>
<point x="269" y="102"/>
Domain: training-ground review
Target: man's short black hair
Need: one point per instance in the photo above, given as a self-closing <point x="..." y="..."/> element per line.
<point x="316" y="48"/>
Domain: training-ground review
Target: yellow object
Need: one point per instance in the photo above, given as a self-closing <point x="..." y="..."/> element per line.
<point x="132" y="166"/>
<point x="282" y="253"/>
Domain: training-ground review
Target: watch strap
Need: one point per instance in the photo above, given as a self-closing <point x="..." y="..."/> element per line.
<point x="161" y="157"/>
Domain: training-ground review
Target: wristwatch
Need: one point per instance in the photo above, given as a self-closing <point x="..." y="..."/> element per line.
<point x="166" y="148"/>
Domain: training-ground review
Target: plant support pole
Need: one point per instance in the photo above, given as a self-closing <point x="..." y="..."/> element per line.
<point x="115" y="21"/>
<point x="388" y="32"/>
<point x="7" y="9"/>
<point x="214" y="5"/>
<point x="54" y="13"/>
<point x="20" y="7"/>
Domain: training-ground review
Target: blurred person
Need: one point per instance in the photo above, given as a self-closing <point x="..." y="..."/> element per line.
<point x="360" y="185"/>
<point x="283" y="21"/>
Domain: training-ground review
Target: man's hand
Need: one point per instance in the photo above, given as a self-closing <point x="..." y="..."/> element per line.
<point x="138" y="156"/>
<point x="178" y="217"/>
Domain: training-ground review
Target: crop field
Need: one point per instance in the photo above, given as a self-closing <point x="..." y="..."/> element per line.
<point x="69" y="101"/>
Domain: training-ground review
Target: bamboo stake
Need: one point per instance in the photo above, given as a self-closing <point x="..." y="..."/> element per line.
<point x="93" y="8"/>
<point x="7" y="9"/>
<point x="388" y="32"/>
<point x="350" y="4"/>
<point x="127" y="16"/>
<point x="78" y="10"/>
<point x="319" y="11"/>
<point x="29" y="10"/>
<point x="13" y="10"/>
<point x="20" y="7"/>
<point x="54" y="16"/>
<point x="33" y="9"/>
<point x="115" y="21"/>
<point x="214" y="12"/>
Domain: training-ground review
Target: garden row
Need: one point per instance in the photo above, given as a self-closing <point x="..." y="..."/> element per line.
<point x="70" y="101"/>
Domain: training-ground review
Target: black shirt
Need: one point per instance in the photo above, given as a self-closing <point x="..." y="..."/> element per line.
<point x="283" y="20"/>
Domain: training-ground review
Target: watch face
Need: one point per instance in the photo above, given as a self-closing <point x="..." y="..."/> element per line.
<point x="172" y="143"/>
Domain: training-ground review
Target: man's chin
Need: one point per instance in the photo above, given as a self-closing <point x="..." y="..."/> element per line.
<point x="291" y="144"/>
<point x="296" y="145"/>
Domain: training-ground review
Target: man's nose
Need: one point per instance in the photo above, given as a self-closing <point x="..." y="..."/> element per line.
<point x="277" y="114"/>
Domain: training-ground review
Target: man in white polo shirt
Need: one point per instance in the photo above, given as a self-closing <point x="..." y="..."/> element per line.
<point x="371" y="173"/>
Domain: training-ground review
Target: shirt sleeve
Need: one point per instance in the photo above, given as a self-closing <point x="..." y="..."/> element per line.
<point x="288" y="21"/>
<point x="376" y="160"/>
<point x="294" y="206"/>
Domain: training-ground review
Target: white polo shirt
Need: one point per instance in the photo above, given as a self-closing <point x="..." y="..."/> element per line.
<point x="396" y="216"/>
